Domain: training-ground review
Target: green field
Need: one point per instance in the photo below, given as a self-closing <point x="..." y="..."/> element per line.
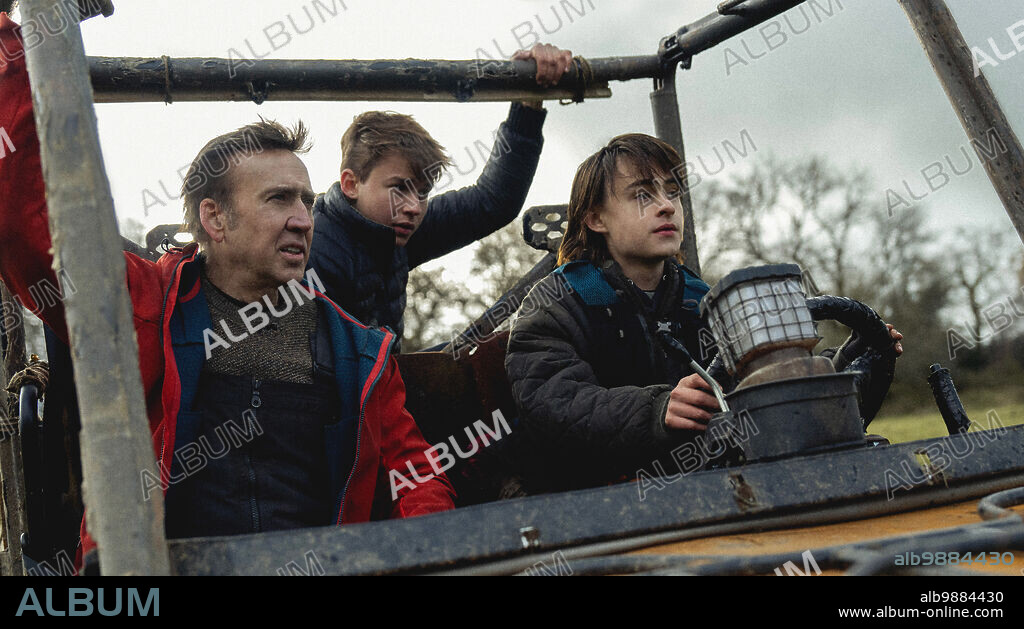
<point x="925" y="425"/>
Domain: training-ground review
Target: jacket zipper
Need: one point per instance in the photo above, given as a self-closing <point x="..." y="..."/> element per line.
<point x="642" y="316"/>
<point x="656" y="367"/>
<point x="348" y="481"/>
<point x="254" y="509"/>
<point x="359" y="430"/>
<point x="163" y="315"/>
<point x="255" y="403"/>
<point x="661" y="311"/>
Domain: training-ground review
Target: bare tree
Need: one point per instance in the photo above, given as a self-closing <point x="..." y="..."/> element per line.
<point x="438" y="309"/>
<point x="431" y="301"/>
<point x="836" y="206"/>
<point x="715" y="244"/>
<point x="806" y="212"/>
<point x="982" y="264"/>
<point x="500" y="260"/>
<point x="744" y="203"/>
<point x="901" y="263"/>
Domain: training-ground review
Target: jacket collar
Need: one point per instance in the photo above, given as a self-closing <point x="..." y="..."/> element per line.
<point x="179" y="268"/>
<point x="667" y="291"/>
<point x="618" y="279"/>
<point x="334" y="204"/>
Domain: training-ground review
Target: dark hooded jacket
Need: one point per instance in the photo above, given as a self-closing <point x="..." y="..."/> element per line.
<point x="357" y="260"/>
<point x="591" y="375"/>
<point x="592" y="362"/>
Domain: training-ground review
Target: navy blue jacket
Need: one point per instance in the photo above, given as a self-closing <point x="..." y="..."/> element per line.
<point x="357" y="260"/>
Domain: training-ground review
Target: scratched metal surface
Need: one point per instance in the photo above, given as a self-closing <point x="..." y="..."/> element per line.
<point x="840" y="486"/>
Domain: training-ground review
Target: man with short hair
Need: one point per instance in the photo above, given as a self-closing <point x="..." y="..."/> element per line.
<point x="375" y="223"/>
<point x="270" y="407"/>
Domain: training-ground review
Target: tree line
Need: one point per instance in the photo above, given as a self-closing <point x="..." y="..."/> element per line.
<point x="954" y="292"/>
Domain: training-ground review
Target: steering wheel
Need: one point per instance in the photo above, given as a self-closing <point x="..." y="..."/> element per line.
<point x="869" y="350"/>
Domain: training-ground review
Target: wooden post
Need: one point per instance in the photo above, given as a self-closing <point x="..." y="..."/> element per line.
<point x="13" y="316"/>
<point x="12" y="487"/>
<point x="115" y="439"/>
<point x="12" y="495"/>
<point x="975" y="104"/>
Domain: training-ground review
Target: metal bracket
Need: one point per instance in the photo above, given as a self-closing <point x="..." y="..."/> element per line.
<point x="732" y="7"/>
<point x="544" y="226"/>
<point x="671" y="54"/>
<point x="259" y="93"/>
<point x="530" y="537"/>
<point x="162" y="237"/>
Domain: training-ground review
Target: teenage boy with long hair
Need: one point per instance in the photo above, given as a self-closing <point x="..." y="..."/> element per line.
<point x="598" y="393"/>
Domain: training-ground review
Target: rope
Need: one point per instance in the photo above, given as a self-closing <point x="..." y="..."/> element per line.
<point x="38" y="373"/>
<point x="168" y="99"/>
<point x="258" y="94"/>
<point x="585" y="75"/>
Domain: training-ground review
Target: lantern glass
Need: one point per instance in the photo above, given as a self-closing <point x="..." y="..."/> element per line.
<point x="760" y="309"/>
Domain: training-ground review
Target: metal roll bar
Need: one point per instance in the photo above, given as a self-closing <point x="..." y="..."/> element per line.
<point x="115" y="436"/>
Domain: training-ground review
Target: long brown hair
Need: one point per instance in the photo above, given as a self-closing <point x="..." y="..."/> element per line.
<point x="648" y="155"/>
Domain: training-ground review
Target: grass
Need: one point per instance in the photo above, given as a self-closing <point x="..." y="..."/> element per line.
<point x="926" y="425"/>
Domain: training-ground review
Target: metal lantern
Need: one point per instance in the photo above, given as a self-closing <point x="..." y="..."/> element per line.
<point x="757" y="310"/>
<point x="765" y="333"/>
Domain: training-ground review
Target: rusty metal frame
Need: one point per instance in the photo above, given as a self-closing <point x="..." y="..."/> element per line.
<point x="509" y="536"/>
<point x="130" y="534"/>
<point x="12" y="485"/>
<point x="115" y="440"/>
<point x="973" y="101"/>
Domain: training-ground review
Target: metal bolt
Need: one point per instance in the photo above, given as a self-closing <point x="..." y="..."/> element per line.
<point x="530" y="537"/>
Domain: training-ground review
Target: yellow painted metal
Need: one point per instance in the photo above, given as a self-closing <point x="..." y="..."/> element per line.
<point x="809" y="538"/>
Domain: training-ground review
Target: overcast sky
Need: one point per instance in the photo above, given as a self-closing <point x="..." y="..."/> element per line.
<point x="855" y="87"/>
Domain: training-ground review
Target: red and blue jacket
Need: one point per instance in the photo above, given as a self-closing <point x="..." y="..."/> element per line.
<point x="378" y="434"/>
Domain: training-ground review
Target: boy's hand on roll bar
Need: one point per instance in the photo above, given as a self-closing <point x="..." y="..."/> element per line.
<point x="552" y="62"/>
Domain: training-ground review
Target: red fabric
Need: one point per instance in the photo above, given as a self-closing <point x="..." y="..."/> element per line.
<point x="395" y="439"/>
<point x="21" y="182"/>
<point x="388" y="436"/>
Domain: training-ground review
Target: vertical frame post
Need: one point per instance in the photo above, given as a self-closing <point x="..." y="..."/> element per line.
<point x="12" y="485"/>
<point x="13" y="323"/>
<point x="115" y="438"/>
<point x="667" y="127"/>
<point x="974" y="102"/>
